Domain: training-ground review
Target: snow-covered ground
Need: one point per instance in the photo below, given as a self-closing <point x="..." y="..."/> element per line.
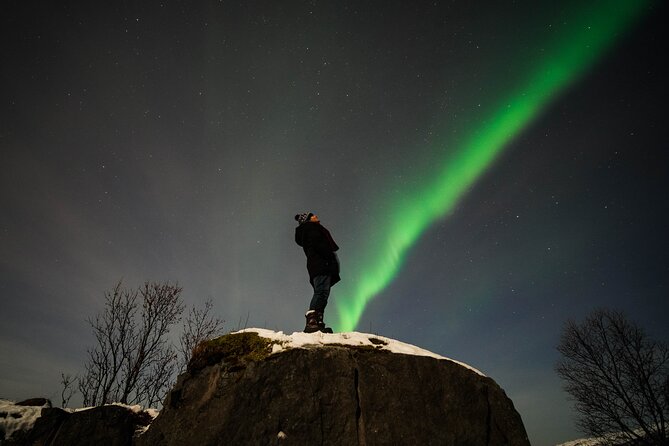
<point x="318" y="339"/>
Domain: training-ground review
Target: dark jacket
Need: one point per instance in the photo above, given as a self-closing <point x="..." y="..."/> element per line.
<point x="319" y="247"/>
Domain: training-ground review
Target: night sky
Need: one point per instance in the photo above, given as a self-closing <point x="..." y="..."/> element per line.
<point x="153" y="141"/>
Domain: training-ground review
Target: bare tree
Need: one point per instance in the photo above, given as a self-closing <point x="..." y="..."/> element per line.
<point x="618" y="378"/>
<point x="198" y="326"/>
<point x="67" y="381"/>
<point x="133" y="361"/>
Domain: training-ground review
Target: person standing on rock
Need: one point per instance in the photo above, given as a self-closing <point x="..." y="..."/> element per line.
<point x="322" y="265"/>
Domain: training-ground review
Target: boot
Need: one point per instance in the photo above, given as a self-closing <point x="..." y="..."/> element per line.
<point x="315" y="322"/>
<point x="312" y="321"/>
<point x="321" y="324"/>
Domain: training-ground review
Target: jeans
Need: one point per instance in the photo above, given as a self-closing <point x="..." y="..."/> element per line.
<point x="321" y="286"/>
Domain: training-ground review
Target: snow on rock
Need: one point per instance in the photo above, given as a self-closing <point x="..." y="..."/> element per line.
<point x="615" y="438"/>
<point x="153" y="413"/>
<point x="16" y="418"/>
<point x="583" y="442"/>
<point x="354" y="339"/>
<point x="360" y="384"/>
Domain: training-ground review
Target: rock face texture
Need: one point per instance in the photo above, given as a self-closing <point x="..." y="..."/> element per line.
<point x="99" y="426"/>
<point x="332" y="395"/>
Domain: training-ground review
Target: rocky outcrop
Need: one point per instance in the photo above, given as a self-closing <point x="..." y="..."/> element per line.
<point x="237" y="393"/>
<point x="111" y="425"/>
<point x="35" y="402"/>
<point x="263" y="388"/>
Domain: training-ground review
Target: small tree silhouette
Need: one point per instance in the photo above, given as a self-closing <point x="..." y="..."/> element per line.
<point x="66" y="381"/>
<point x="133" y="361"/>
<point x="199" y="325"/>
<point x="618" y="377"/>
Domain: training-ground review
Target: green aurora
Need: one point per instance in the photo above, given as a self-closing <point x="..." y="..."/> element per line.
<point x="565" y="58"/>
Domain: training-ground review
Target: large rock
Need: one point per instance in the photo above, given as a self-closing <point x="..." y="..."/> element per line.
<point x="237" y="393"/>
<point x="42" y="431"/>
<point x="111" y="425"/>
<point x="104" y="425"/>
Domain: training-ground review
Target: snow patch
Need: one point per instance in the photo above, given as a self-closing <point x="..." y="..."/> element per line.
<point x="583" y="442"/>
<point x="17" y="418"/>
<point x="616" y="438"/>
<point x="136" y="408"/>
<point x="314" y="340"/>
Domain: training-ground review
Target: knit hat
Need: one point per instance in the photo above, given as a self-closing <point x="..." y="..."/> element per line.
<point x="303" y="218"/>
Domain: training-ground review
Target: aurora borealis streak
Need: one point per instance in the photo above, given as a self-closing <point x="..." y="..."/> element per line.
<point x="564" y="59"/>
